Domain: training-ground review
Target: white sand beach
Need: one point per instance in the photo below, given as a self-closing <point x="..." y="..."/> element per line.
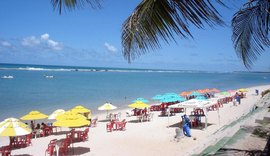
<point x="151" y="138"/>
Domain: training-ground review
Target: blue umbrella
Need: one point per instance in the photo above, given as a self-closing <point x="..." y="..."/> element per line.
<point x="200" y="98"/>
<point x="141" y="99"/>
<point x="157" y="97"/>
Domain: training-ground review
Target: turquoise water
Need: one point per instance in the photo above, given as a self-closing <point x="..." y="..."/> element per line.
<point x="92" y="87"/>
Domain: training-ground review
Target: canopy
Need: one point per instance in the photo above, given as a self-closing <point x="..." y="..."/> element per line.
<point x="139" y="105"/>
<point x="34" y="115"/>
<point x="56" y="113"/>
<point x="107" y="106"/>
<point x="194" y="103"/>
<point x="13" y="127"/>
<point x="80" y="109"/>
<point x="71" y="119"/>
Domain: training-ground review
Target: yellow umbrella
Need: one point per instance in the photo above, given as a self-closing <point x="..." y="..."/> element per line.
<point x="139" y="105"/>
<point x="243" y="90"/>
<point x="13" y="127"/>
<point x="80" y="109"/>
<point x="34" y="115"/>
<point x="71" y="119"/>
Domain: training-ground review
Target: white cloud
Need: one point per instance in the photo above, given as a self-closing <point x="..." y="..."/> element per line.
<point x="45" y="36"/>
<point x="54" y="45"/>
<point x="42" y="41"/>
<point x="110" y="47"/>
<point x="30" y="41"/>
<point x="5" y="44"/>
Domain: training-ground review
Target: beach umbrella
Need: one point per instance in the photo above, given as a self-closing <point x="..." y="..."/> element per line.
<point x="214" y="90"/>
<point x="13" y="127"/>
<point x="34" y="115"/>
<point x="195" y="94"/>
<point x="200" y="91"/>
<point x="141" y="99"/>
<point x="185" y="93"/>
<point x="107" y="106"/>
<point x="200" y="98"/>
<point x="80" y="109"/>
<point x="71" y="119"/>
<point x="224" y="93"/>
<point x="139" y="105"/>
<point x="243" y="90"/>
<point x="157" y="97"/>
<point x="56" y="113"/>
<point x="231" y="91"/>
<point x="206" y="90"/>
<point x="170" y="95"/>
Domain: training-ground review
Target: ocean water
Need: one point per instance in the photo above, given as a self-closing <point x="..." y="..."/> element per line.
<point x="92" y="87"/>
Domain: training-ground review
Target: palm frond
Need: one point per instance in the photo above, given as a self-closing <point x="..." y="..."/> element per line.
<point x="154" y="21"/>
<point x="250" y="31"/>
<point x="74" y="4"/>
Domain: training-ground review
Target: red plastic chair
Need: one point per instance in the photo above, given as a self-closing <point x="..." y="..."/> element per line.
<point x="51" y="148"/>
<point x="5" y="150"/>
<point x="109" y="127"/>
<point x="64" y="147"/>
<point x="84" y="135"/>
<point x="122" y="126"/>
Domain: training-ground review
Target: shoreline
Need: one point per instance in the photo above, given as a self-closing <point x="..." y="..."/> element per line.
<point x="153" y="138"/>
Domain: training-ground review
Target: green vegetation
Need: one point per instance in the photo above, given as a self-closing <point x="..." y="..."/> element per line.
<point x="265" y="92"/>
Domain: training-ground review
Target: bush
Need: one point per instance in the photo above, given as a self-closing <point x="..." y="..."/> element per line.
<point x="265" y="92"/>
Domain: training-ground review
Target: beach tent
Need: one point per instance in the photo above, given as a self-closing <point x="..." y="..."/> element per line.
<point x="195" y="103"/>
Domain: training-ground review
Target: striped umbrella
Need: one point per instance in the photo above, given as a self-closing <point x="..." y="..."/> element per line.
<point x="13" y="127"/>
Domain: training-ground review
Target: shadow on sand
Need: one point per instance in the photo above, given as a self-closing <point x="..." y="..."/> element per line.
<point x="80" y="150"/>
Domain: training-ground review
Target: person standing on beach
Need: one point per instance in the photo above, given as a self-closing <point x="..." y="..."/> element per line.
<point x="257" y="92"/>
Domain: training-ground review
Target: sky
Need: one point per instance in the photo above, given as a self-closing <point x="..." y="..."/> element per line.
<point x="31" y="32"/>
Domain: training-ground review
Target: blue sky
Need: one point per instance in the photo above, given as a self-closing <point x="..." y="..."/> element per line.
<point x="31" y="32"/>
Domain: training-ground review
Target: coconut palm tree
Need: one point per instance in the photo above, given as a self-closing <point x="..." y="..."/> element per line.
<point x="154" y="21"/>
<point x="250" y="30"/>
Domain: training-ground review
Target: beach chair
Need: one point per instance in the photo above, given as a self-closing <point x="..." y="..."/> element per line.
<point x="84" y="135"/>
<point x="5" y="150"/>
<point x="109" y="127"/>
<point x="28" y="140"/>
<point x="93" y="122"/>
<point x="51" y="148"/>
<point x="64" y="147"/>
<point x="122" y="126"/>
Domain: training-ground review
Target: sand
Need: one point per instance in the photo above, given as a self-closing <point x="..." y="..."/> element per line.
<point x="151" y="138"/>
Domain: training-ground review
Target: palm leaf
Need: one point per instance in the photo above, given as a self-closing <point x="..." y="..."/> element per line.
<point x="250" y="30"/>
<point x="74" y="4"/>
<point x="156" y="20"/>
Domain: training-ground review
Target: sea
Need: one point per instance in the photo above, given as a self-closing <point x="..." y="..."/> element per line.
<point x="47" y="88"/>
